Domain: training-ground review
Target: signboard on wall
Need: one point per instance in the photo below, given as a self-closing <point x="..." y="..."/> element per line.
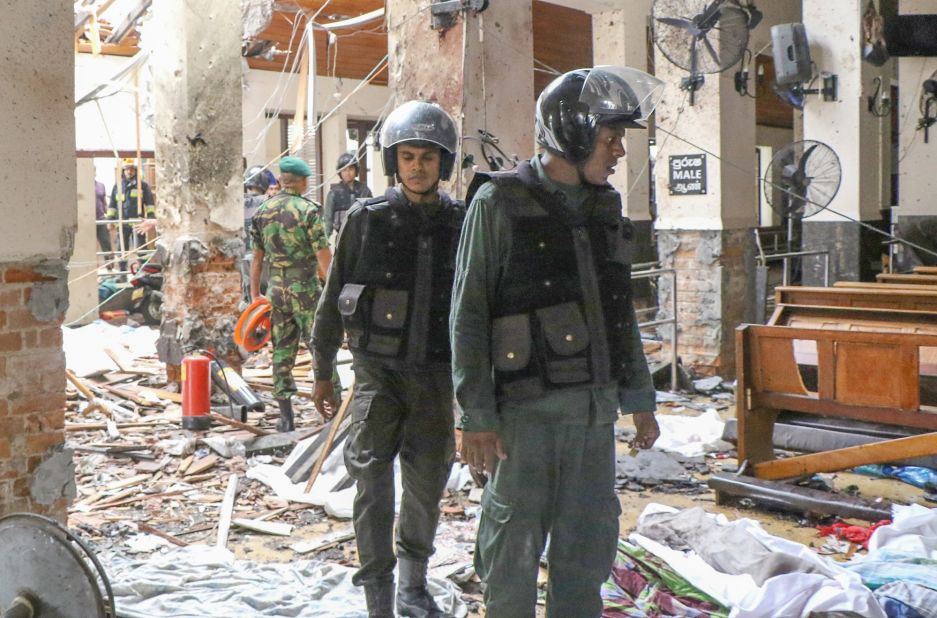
<point x="688" y="174"/>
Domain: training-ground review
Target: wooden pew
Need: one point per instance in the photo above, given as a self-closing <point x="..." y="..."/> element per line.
<point x="912" y="278"/>
<point x="877" y="296"/>
<point x="865" y="375"/>
<point x="926" y="270"/>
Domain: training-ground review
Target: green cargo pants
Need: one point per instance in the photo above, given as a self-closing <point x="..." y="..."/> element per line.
<point x="558" y="480"/>
<point x="410" y="414"/>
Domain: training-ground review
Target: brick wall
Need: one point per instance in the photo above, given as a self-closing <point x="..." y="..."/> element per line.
<point x="35" y="473"/>
<point x="715" y="293"/>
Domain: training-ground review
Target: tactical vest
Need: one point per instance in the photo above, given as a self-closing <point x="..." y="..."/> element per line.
<point x="396" y="303"/>
<point x="342" y="200"/>
<point x="562" y="314"/>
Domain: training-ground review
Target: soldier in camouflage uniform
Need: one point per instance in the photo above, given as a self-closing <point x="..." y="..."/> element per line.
<point x="287" y="231"/>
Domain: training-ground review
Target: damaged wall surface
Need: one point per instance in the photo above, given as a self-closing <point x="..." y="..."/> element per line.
<point x="197" y="88"/>
<point x="38" y="205"/>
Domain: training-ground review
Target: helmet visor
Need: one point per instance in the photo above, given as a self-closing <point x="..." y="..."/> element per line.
<point x="613" y="92"/>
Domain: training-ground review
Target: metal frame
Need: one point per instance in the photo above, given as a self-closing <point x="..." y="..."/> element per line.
<point x="647" y="271"/>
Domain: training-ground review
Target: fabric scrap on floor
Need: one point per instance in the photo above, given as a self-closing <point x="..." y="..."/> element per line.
<point x="904" y="600"/>
<point x="859" y="535"/>
<point x="201" y="581"/>
<point x="643" y="586"/>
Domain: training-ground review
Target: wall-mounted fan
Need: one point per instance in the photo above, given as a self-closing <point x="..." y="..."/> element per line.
<point x="794" y="70"/>
<point x="700" y="36"/>
<point x="802" y="179"/>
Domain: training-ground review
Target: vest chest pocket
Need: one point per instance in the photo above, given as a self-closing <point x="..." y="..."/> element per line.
<point x="388" y="319"/>
<point x="511" y="342"/>
<point x="348" y="300"/>
<point x="567" y="338"/>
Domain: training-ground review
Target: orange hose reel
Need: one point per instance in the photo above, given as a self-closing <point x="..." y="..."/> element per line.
<point x="252" y="330"/>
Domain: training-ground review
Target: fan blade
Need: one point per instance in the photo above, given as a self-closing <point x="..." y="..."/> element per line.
<point x="710" y="15"/>
<point x="680" y="22"/>
<point x="712" y="51"/>
<point x="802" y="165"/>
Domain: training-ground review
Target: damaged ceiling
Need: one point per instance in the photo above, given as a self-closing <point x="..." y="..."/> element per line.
<point x="562" y="35"/>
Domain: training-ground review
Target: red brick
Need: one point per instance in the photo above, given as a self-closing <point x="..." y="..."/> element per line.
<point x="50" y="337"/>
<point x="11" y="342"/>
<point x="4" y="448"/>
<point x="41" y="442"/>
<point x="47" y="402"/>
<point x="21" y="319"/>
<point x="30" y="339"/>
<point x="45" y="421"/>
<point x="4" y="408"/>
<point x="22" y="275"/>
<point x="12" y="297"/>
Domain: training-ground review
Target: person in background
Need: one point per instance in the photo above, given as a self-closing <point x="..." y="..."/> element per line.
<point x="343" y="194"/>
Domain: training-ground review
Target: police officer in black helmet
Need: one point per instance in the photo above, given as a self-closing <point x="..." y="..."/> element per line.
<point x="343" y="194"/>
<point x="546" y="349"/>
<point x="389" y="289"/>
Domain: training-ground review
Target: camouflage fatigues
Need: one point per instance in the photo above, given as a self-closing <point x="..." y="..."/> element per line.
<point x="289" y="230"/>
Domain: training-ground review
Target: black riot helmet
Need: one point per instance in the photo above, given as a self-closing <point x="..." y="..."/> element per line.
<point x="421" y="122"/>
<point x="575" y="104"/>
<point x="257" y="178"/>
<point x="346" y="159"/>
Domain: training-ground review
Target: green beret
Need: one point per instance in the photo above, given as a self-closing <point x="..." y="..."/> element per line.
<point x="294" y="165"/>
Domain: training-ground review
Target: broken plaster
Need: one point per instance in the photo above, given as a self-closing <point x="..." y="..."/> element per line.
<point x="48" y="300"/>
<point x="54" y="478"/>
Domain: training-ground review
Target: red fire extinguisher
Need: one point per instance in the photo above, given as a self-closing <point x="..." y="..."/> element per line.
<point x="196" y="392"/>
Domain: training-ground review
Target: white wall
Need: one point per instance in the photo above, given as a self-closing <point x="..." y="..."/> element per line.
<point x="917" y="180"/>
<point x="834" y="32"/>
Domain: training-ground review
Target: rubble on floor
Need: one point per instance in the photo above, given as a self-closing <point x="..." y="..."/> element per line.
<point x="233" y="499"/>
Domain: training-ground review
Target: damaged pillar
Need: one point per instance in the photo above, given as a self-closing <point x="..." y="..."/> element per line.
<point x="917" y="217"/>
<point x="196" y="64"/>
<point x="834" y="30"/>
<point x="619" y="37"/>
<point x="38" y="149"/>
<point x="706" y="188"/>
<point x="479" y="69"/>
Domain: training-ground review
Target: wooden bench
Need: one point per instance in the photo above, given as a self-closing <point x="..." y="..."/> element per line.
<point x="865" y="375"/>
<point x="906" y="278"/>
<point x="878" y="296"/>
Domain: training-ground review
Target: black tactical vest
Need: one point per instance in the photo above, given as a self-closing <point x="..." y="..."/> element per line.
<point x="562" y="314"/>
<point x="396" y="302"/>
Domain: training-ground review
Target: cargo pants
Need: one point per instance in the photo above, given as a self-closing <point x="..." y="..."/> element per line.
<point x="405" y="413"/>
<point x="558" y="480"/>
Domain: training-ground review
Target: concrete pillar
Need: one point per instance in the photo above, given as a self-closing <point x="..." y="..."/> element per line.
<point x="619" y="37"/>
<point x="83" y="283"/>
<point x="834" y="30"/>
<point x="708" y="237"/>
<point x="917" y="216"/>
<point x="38" y="128"/>
<point x="480" y="70"/>
<point x="197" y="87"/>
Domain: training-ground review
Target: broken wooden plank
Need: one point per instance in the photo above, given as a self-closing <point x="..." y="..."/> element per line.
<point x="142" y="527"/>
<point x="850" y="457"/>
<point x="233" y="423"/>
<point x="264" y="527"/>
<point x="202" y="465"/>
<point x="227" y="507"/>
<point x="127" y="482"/>
<point x="336" y="421"/>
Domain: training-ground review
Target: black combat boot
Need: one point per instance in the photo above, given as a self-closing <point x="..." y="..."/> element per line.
<point x="380" y="599"/>
<point x="286" y="415"/>
<point x="413" y="599"/>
